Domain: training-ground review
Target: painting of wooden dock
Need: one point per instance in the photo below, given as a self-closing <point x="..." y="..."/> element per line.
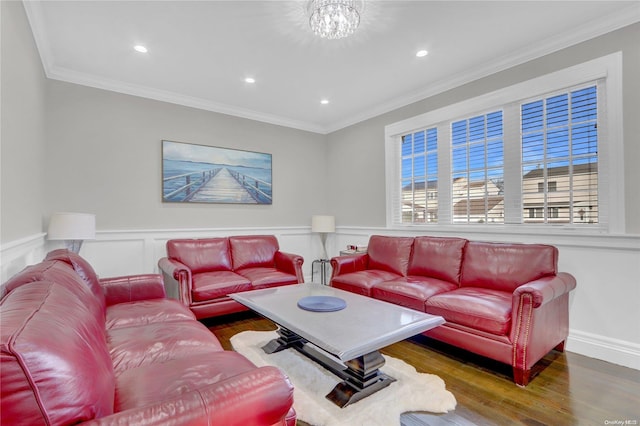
<point x="206" y="174"/>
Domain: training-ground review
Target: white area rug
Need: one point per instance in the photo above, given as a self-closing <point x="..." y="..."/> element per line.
<point x="412" y="391"/>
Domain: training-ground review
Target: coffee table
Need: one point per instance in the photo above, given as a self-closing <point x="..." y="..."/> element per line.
<point x="346" y="341"/>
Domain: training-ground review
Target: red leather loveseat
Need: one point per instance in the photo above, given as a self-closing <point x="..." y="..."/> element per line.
<point x="78" y="349"/>
<point x="507" y="302"/>
<point x="203" y="272"/>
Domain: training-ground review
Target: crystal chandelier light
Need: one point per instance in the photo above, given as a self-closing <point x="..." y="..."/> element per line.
<point x="334" y="19"/>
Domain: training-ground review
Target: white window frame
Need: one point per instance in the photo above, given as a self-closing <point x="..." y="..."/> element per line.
<point x="607" y="70"/>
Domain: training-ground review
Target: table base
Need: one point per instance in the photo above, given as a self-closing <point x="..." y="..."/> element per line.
<point x="361" y="376"/>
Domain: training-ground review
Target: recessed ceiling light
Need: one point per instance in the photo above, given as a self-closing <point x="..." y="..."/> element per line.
<point x="250" y="80"/>
<point x="140" y="48"/>
<point x="324" y="101"/>
<point x="421" y="53"/>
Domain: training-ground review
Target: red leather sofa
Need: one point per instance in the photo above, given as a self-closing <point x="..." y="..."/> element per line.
<point x="78" y="349"/>
<point x="203" y="272"/>
<point x="507" y="302"/>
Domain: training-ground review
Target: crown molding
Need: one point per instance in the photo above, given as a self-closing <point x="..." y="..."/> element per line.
<point x="589" y="30"/>
<point x="84" y="79"/>
<point x="592" y="29"/>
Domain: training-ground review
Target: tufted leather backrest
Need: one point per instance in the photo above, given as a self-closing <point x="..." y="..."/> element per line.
<point x="389" y="253"/>
<point x="250" y="251"/>
<point x="56" y="367"/>
<point x="503" y="266"/>
<point x="437" y="257"/>
<point x="201" y="255"/>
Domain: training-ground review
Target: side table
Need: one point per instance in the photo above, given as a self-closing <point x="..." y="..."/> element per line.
<point x="323" y="264"/>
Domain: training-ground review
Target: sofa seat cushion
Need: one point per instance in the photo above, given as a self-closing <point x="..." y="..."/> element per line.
<point x="411" y="291"/>
<point x="361" y="282"/>
<point x="478" y="308"/>
<point x="132" y="347"/>
<point x="147" y="312"/>
<point x="148" y="384"/>
<point x="267" y="277"/>
<point x="212" y="285"/>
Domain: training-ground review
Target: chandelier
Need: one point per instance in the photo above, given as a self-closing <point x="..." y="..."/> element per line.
<point x="334" y="19"/>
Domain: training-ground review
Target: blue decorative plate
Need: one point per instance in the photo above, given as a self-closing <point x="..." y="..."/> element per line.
<point x="322" y="303"/>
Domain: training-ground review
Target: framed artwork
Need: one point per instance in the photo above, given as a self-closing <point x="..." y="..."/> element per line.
<point x="208" y="174"/>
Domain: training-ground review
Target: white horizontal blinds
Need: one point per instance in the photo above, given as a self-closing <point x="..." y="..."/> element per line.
<point x="419" y="181"/>
<point x="560" y="158"/>
<point x="477" y="160"/>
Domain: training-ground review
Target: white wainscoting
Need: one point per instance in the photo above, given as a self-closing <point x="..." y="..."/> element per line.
<point x="18" y="254"/>
<point x="604" y="317"/>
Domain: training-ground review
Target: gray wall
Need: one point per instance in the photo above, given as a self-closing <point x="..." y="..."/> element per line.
<point x="356" y="153"/>
<point x="104" y="157"/>
<point x="23" y="135"/>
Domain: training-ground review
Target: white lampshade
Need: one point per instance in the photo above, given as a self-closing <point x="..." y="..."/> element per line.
<point x="72" y="226"/>
<point x="323" y="224"/>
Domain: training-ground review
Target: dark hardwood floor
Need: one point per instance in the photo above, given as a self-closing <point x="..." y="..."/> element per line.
<point x="569" y="389"/>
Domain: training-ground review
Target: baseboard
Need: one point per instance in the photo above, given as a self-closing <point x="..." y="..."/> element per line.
<point x="604" y="348"/>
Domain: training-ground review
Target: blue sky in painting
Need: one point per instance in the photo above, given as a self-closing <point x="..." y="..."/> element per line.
<point x="214" y="155"/>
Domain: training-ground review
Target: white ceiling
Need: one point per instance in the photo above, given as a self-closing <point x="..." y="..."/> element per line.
<point x="201" y="51"/>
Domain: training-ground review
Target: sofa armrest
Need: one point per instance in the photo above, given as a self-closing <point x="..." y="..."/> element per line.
<point x="540" y="321"/>
<point x="350" y="263"/>
<point x="131" y="288"/>
<point x="290" y="263"/>
<point x="259" y="397"/>
<point x="177" y="279"/>
<point x="545" y="289"/>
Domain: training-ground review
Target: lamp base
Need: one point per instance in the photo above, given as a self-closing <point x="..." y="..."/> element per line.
<point x="73" y="245"/>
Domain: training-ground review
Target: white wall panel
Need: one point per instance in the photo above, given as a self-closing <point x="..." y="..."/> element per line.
<point x="603" y="314"/>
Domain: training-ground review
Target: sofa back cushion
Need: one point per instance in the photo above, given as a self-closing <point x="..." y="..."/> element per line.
<point x="389" y="253"/>
<point x="56" y="367"/>
<point x="501" y="266"/>
<point x="437" y="257"/>
<point x="83" y="268"/>
<point x="201" y="255"/>
<point x="64" y="274"/>
<point x="250" y="251"/>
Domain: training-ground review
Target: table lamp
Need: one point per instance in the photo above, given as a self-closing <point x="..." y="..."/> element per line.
<point x="73" y="228"/>
<point x="323" y="225"/>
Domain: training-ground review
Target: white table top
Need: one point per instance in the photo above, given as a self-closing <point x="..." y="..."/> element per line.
<point x="364" y="326"/>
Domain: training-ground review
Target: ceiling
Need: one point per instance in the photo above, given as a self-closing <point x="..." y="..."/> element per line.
<point x="200" y="52"/>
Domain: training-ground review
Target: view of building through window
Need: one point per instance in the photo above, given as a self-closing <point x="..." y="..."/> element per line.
<point x="478" y="169"/>
<point x="559" y="163"/>
<point x="420" y="177"/>
<point x="560" y="158"/>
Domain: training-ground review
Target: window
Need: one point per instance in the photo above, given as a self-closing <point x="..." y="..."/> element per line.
<point x="477" y="166"/>
<point x="560" y="142"/>
<point x="532" y="153"/>
<point x="420" y="177"/>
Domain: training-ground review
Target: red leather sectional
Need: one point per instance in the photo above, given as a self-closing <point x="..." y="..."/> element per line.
<point x="507" y="302"/>
<point x="78" y="349"/>
<point x="203" y="272"/>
